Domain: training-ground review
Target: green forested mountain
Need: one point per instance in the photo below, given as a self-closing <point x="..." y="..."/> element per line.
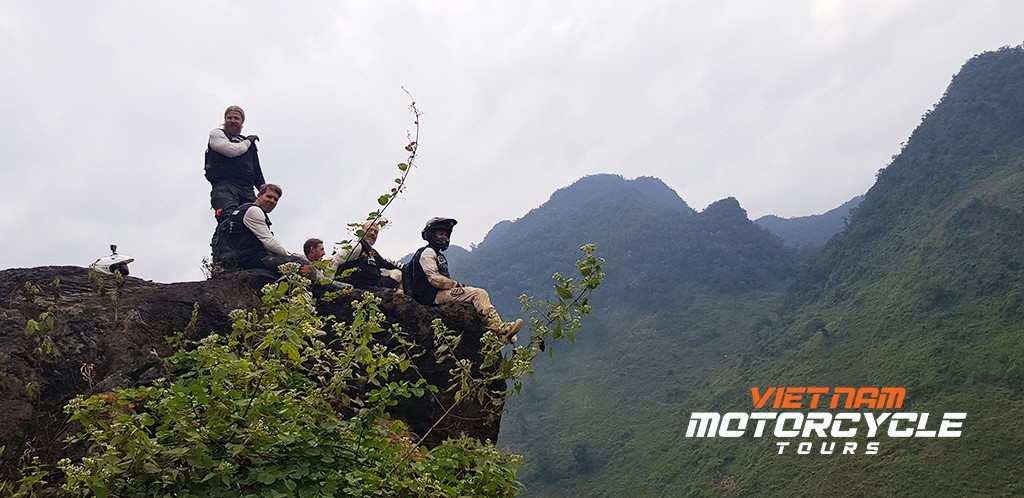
<point x="683" y="290"/>
<point x="813" y="230"/>
<point x="660" y="252"/>
<point x="923" y="289"/>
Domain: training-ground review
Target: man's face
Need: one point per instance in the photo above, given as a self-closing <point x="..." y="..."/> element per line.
<point x="317" y="252"/>
<point x="441" y="235"/>
<point x="370" y="234"/>
<point x="267" y="201"/>
<point x="233" y="123"/>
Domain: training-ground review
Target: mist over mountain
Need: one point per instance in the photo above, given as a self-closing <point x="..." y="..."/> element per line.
<point x="813" y="230"/>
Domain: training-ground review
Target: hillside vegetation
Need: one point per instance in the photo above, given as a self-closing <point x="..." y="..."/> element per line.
<point x="923" y="289"/>
<point x="683" y="290"/>
<point x="660" y="252"/>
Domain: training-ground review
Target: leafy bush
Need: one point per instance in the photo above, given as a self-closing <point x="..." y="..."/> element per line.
<point x="269" y="409"/>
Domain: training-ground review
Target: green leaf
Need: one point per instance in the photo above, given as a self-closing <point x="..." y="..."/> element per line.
<point x="383" y="200"/>
<point x="279" y="316"/>
<point x="403" y="166"/>
<point x="291" y="350"/>
<point x="563" y="292"/>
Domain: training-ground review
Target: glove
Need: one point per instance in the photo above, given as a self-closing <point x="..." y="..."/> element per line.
<point x="253" y="138"/>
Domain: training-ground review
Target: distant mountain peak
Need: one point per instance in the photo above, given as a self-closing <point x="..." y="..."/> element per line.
<point x="599" y="185"/>
<point x="725" y="208"/>
<point x="813" y="230"/>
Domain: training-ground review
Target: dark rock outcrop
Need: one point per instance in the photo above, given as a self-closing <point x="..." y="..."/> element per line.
<point x="109" y="334"/>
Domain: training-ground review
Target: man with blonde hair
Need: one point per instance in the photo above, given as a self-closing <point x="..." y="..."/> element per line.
<point x="232" y="164"/>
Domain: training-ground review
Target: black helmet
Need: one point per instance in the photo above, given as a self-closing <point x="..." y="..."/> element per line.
<point x="433" y="226"/>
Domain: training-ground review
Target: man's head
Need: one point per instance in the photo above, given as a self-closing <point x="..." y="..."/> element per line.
<point x="438" y="232"/>
<point x="234" y="118"/>
<point x="370" y="232"/>
<point x="268" y="197"/>
<point x="314" y="249"/>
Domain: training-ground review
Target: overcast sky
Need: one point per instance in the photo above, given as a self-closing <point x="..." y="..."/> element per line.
<point x="791" y="107"/>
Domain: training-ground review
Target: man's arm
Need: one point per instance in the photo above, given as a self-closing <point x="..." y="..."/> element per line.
<point x="256" y="221"/>
<point x="389" y="264"/>
<point x="257" y="173"/>
<point x="341" y="257"/>
<point x="220" y="142"/>
<point x="428" y="261"/>
<point x="382" y="262"/>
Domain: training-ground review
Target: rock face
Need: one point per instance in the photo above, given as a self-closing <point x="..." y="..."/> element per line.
<point x="109" y="334"/>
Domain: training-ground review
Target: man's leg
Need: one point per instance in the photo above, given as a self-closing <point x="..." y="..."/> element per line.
<point x="391" y="279"/>
<point x="479" y="298"/>
<point x="272" y="261"/>
<point x="482" y="302"/>
<point x="225" y="197"/>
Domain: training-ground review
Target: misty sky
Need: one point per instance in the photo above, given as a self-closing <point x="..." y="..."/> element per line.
<point x="791" y="107"/>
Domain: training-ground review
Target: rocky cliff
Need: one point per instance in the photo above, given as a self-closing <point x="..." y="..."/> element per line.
<point x="107" y="333"/>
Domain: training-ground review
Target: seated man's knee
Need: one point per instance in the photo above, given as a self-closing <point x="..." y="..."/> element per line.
<point x="478" y="296"/>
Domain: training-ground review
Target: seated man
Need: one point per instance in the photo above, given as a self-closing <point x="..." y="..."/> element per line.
<point x="370" y="271"/>
<point x="314" y="249"/>
<point x="246" y="239"/>
<point x="427" y="280"/>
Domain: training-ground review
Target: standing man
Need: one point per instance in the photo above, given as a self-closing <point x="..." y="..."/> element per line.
<point x="427" y="280"/>
<point x="247" y="240"/>
<point x="232" y="165"/>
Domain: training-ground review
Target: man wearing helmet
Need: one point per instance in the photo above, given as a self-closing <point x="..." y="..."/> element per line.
<point x="427" y="280"/>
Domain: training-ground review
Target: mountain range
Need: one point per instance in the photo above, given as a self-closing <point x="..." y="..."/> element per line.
<point x="660" y="251"/>
<point x="810" y="231"/>
<point x="921" y="288"/>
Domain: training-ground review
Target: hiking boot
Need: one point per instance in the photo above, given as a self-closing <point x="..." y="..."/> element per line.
<point x="507" y="331"/>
